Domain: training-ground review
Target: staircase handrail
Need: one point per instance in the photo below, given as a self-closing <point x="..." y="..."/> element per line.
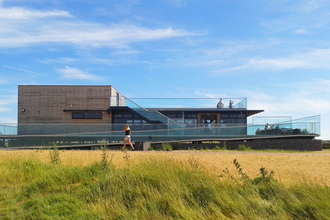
<point x="155" y="111"/>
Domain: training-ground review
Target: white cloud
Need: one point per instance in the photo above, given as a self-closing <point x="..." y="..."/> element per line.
<point x="316" y="59"/>
<point x="22" y="70"/>
<point x="2" y="109"/>
<point x="8" y="121"/>
<point x="8" y="100"/>
<point x="301" y="31"/>
<point x="21" y="13"/>
<point x="297" y="16"/>
<point x="75" y="73"/>
<point x="21" y="27"/>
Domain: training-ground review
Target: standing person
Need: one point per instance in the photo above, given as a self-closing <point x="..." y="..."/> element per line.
<point x="127" y="138"/>
<point x="213" y="130"/>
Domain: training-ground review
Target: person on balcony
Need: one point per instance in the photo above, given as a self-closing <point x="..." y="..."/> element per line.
<point x="231" y="104"/>
<point x="220" y="104"/>
<point x="267" y="126"/>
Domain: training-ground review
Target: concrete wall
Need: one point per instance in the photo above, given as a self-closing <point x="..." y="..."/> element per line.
<point x="45" y="104"/>
<point x="299" y="144"/>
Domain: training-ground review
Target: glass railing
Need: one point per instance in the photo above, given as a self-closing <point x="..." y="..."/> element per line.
<point x="159" y="103"/>
<point x="8" y="129"/>
<point x="151" y="115"/>
<point x="272" y="126"/>
<point x="73" y="134"/>
<point x="272" y="120"/>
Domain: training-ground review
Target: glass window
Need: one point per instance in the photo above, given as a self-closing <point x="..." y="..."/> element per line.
<point x="189" y="121"/>
<point x="77" y="115"/>
<point x="233" y="115"/>
<point x="191" y="115"/>
<point x="128" y="116"/>
<point x="120" y="121"/>
<point x="93" y="115"/>
<point x="86" y="115"/>
<point x="117" y="115"/>
<point x="171" y="115"/>
<point x="241" y="116"/>
<point x="224" y="115"/>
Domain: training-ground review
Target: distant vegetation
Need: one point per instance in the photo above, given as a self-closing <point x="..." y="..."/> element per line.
<point x="326" y="144"/>
<point x="153" y="188"/>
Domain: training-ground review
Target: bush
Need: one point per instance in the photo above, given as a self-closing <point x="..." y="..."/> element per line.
<point x="166" y="147"/>
<point x="217" y="148"/>
<point x="55" y="156"/>
<point x="242" y="147"/>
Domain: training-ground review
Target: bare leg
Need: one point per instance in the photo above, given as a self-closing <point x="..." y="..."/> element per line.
<point x="131" y="144"/>
<point x="124" y="145"/>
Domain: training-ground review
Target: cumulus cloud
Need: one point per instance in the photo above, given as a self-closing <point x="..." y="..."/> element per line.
<point x="77" y="74"/>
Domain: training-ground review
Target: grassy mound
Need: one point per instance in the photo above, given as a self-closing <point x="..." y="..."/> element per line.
<point x="156" y="188"/>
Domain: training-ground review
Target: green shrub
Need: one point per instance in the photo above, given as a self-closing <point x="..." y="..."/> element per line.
<point x="55" y="156"/>
<point x="167" y="147"/>
<point x="217" y="148"/>
<point x="242" y="147"/>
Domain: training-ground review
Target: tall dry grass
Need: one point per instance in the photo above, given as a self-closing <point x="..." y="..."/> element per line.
<point x="289" y="168"/>
<point x="149" y="185"/>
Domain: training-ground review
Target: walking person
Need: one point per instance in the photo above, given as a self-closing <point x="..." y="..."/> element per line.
<point x="127" y="138"/>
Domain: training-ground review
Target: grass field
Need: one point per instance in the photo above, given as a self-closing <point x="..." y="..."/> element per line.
<point x="163" y="185"/>
<point x="288" y="167"/>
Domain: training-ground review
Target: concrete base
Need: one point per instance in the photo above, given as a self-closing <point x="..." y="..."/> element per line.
<point x="144" y="146"/>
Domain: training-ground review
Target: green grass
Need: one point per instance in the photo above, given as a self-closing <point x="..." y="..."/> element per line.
<point x="156" y="188"/>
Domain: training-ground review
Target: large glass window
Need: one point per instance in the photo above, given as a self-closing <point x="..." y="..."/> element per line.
<point x="191" y="115"/>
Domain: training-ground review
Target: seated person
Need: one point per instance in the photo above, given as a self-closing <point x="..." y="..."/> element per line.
<point x="267" y="126"/>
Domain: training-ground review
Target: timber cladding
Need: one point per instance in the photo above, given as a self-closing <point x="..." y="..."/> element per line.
<point x="44" y="104"/>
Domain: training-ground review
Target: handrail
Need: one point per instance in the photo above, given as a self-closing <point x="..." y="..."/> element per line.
<point x="167" y="118"/>
<point x="135" y="103"/>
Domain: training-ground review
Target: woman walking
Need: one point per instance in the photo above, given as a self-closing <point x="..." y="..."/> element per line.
<point x="127" y="138"/>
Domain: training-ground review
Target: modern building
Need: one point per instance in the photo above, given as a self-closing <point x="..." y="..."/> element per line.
<point x="68" y="115"/>
<point x="42" y="109"/>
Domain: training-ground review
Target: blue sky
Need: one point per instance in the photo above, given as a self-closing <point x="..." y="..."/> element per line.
<point x="274" y="53"/>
